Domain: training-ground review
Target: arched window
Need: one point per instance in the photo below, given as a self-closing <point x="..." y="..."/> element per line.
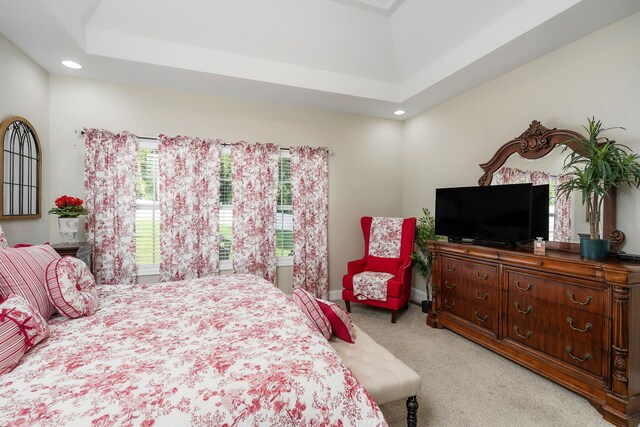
<point x="20" y="164"/>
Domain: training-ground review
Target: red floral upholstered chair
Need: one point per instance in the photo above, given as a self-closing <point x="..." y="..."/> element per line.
<point x="382" y="278"/>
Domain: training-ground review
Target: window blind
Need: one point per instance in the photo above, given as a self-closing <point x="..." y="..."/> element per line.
<point x="284" y="211"/>
<point x="147" y="207"/>
<point x="148" y="210"/>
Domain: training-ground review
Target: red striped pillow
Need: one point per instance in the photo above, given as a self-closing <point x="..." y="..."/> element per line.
<point x="339" y="319"/>
<point x="23" y="272"/>
<point x="310" y="307"/>
<point x="21" y="328"/>
<point x="71" y="287"/>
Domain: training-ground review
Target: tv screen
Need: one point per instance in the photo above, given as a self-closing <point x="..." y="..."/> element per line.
<point x="500" y="213"/>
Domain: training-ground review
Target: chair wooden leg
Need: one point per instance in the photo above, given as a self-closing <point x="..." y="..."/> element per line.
<point x="412" y="412"/>
<point x="406" y="305"/>
<point x="347" y="304"/>
<point x="394" y="315"/>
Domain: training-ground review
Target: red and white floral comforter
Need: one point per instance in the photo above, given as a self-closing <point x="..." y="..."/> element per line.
<point x="230" y="350"/>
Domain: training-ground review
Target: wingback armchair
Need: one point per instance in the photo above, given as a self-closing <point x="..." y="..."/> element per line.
<point x="382" y="277"/>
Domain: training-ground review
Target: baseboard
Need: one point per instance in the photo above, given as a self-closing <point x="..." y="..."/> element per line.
<point x="335" y="295"/>
<point x="418" y="295"/>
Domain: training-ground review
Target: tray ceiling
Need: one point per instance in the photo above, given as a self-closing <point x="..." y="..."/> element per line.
<point x="361" y="56"/>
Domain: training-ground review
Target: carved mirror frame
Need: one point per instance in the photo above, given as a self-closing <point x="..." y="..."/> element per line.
<point x="20" y="149"/>
<point x="536" y="142"/>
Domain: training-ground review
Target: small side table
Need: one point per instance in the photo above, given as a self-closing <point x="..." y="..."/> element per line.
<point x="82" y="251"/>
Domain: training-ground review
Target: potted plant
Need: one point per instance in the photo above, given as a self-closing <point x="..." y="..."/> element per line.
<point x="425" y="231"/>
<point x="597" y="165"/>
<point x="68" y="210"/>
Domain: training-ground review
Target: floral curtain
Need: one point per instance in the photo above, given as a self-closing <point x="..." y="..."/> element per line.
<point x="310" y="203"/>
<point x="189" y="197"/>
<point x="562" y="228"/>
<point x="3" y="239"/>
<point x="254" y="180"/>
<point x="110" y="193"/>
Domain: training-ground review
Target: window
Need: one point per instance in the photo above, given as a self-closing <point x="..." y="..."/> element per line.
<point x="148" y="211"/>
<point x="20" y="192"/>
<point x="225" y="217"/>
<point x="284" y="212"/>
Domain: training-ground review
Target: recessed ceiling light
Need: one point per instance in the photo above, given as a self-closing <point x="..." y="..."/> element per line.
<point x="72" y="64"/>
<point x="399" y="112"/>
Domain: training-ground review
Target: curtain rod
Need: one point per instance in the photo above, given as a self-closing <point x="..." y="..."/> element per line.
<point x="153" y="138"/>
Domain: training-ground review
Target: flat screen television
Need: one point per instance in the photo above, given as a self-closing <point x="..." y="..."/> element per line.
<point x="499" y="214"/>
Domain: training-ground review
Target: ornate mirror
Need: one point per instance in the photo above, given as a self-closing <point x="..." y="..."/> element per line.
<point x="537" y="156"/>
<point x="21" y="170"/>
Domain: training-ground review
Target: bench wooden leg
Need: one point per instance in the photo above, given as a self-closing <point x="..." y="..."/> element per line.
<point x="412" y="412"/>
<point x="394" y="314"/>
<point x="348" y="305"/>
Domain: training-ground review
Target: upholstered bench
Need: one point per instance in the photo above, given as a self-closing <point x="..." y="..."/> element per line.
<point x="385" y="377"/>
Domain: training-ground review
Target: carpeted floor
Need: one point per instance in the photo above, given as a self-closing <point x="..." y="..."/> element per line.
<point x="464" y="384"/>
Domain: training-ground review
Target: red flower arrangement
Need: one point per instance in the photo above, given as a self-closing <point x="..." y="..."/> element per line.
<point x="68" y="207"/>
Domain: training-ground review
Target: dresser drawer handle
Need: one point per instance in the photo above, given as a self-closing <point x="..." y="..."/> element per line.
<point x="589" y="299"/>
<point x="529" y="286"/>
<point x="482" y="319"/>
<point x="480" y="296"/>
<point x="480" y="276"/>
<point x="527" y="311"/>
<point x="539" y="263"/>
<point x="588" y="326"/>
<point x="451" y="269"/>
<point x="524" y="337"/>
<point x="579" y="359"/>
<point x="450" y="307"/>
<point x="446" y="285"/>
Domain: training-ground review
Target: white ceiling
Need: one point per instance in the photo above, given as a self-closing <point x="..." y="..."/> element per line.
<point x="362" y="56"/>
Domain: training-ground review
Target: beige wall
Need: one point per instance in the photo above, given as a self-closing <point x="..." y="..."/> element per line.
<point x="596" y="75"/>
<point x="365" y="174"/>
<point x="24" y="91"/>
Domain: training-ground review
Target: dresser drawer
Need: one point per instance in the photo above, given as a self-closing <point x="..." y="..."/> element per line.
<point x="473" y="291"/>
<point x="577" y="296"/>
<point x="587" y="356"/>
<point x="480" y="315"/>
<point x="564" y="321"/>
<point x="469" y="272"/>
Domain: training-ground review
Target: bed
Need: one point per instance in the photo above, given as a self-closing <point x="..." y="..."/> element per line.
<point x="224" y="351"/>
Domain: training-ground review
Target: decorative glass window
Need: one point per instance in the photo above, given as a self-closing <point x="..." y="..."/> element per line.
<point x="21" y="168"/>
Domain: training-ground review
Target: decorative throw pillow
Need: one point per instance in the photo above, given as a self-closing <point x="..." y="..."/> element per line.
<point x="21" y="328"/>
<point x="339" y="319"/>
<point x="3" y="239"/>
<point x="23" y="272"/>
<point x="71" y="287"/>
<point x="311" y="308"/>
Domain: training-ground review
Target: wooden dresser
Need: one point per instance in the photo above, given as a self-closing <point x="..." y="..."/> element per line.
<point x="574" y="321"/>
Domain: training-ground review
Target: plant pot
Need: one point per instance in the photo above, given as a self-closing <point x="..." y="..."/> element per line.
<point x="426" y="306"/>
<point x="68" y="228"/>
<point x="594" y="248"/>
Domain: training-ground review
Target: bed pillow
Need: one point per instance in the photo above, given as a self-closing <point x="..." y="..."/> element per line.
<point x="311" y="308"/>
<point x="23" y="272"/>
<point x="339" y="319"/>
<point x="3" y="239"/>
<point x="21" y="328"/>
<point x="71" y="287"/>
